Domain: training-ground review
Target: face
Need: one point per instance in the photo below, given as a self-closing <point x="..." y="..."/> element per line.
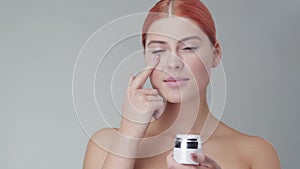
<point x="186" y="57"/>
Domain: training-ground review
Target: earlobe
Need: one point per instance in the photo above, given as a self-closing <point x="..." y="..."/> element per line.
<point x="217" y="54"/>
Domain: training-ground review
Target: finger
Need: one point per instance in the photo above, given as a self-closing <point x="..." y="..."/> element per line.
<point x="203" y="160"/>
<point x="158" y="113"/>
<point x="154" y="98"/>
<point x="156" y="105"/>
<point x="170" y="157"/>
<point x="141" y="78"/>
<point x="131" y="77"/>
<point x="171" y="163"/>
<point x="170" y="160"/>
<point x="152" y="92"/>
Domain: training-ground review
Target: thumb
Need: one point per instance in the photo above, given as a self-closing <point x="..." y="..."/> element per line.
<point x="204" y="160"/>
<point x="200" y="158"/>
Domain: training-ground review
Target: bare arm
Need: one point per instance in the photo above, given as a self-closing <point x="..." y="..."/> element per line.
<point x="111" y="149"/>
<point x="109" y="153"/>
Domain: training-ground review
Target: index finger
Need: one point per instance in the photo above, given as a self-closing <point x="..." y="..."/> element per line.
<point x="140" y="79"/>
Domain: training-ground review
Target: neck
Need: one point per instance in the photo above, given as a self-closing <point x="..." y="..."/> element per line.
<point x="184" y="117"/>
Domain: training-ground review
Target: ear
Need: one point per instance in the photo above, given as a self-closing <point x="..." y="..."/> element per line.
<point x="217" y="54"/>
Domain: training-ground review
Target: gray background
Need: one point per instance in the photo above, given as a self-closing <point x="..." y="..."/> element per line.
<point x="40" y="41"/>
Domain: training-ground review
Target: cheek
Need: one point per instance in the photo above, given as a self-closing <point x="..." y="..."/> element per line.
<point x="154" y="78"/>
<point x="202" y="62"/>
<point x="199" y="71"/>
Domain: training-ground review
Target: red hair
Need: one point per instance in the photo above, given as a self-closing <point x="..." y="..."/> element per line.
<point x="191" y="9"/>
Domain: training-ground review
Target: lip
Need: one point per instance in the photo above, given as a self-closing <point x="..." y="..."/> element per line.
<point x="176" y="81"/>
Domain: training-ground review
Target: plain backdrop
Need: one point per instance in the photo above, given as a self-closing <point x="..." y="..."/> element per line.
<point x="40" y="42"/>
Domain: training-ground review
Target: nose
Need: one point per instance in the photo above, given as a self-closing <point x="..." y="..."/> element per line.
<point x="174" y="63"/>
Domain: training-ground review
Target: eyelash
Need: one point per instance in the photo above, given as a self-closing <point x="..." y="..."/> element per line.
<point x="158" y="51"/>
<point x="187" y="48"/>
<point x="190" y="48"/>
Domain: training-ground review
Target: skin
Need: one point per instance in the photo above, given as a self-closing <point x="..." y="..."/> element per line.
<point x="146" y="115"/>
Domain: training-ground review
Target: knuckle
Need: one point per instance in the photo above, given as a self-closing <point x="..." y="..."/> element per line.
<point x="155" y="91"/>
<point x="148" y="106"/>
<point x="142" y="98"/>
<point x="132" y="92"/>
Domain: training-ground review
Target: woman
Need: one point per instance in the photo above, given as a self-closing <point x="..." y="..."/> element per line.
<point x="180" y="48"/>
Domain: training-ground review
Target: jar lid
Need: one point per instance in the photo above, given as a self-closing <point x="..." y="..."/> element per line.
<point x="188" y="137"/>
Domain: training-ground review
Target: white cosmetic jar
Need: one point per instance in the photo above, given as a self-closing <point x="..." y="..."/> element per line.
<point x="185" y="144"/>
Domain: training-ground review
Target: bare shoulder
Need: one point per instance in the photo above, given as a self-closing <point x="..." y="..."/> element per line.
<point x="259" y="151"/>
<point x="98" y="147"/>
<point x="262" y="152"/>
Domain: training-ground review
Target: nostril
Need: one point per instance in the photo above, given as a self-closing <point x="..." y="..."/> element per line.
<point x="174" y="65"/>
<point x="172" y="62"/>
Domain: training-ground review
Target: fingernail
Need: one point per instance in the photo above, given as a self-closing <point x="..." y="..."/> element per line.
<point x="194" y="156"/>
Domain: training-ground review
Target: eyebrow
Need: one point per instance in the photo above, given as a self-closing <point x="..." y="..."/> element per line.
<point x="191" y="37"/>
<point x="180" y="41"/>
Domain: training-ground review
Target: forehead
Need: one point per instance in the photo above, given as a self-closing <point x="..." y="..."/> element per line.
<point x="174" y="27"/>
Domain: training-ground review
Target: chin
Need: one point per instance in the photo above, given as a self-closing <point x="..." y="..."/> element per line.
<point x="178" y="98"/>
<point x="173" y="100"/>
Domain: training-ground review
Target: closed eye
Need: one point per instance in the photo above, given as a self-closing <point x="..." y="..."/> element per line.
<point x="158" y="51"/>
<point x="190" y="48"/>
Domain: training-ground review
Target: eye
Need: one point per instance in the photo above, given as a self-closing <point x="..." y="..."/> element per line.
<point x="190" y="48"/>
<point x="158" y="51"/>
